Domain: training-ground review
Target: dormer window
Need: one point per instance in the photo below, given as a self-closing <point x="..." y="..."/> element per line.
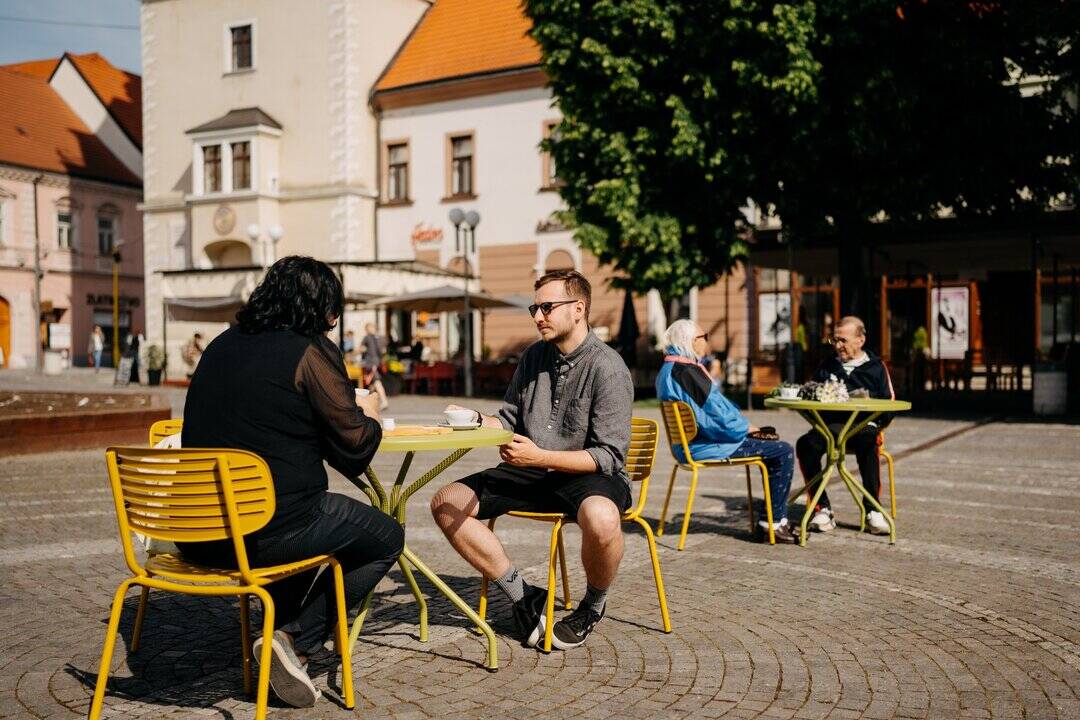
<point x="232" y="152"/>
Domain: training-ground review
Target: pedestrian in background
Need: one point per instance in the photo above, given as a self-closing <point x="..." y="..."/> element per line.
<point x="95" y="347"/>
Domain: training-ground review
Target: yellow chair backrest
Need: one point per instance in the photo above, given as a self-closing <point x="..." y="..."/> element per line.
<point x="639" y="459"/>
<point x="164" y="428"/>
<point x="679" y="424"/>
<point x="191" y="495"/>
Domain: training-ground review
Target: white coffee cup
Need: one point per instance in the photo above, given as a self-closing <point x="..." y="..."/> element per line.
<point x="789" y="393"/>
<point x="460" y="417"/>
<point x="389" y="424"/>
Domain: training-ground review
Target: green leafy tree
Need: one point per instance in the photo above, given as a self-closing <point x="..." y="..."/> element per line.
<point x="833" y="113"/>
<point x="665" y="107"/>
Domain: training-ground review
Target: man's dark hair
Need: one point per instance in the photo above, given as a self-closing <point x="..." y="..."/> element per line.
<point x="576" y="284"/>
<point x="298" y="293"/>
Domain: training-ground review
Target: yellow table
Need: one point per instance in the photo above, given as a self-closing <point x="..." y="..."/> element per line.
<point x="393" y="503"/>
<point x="836" y="447"/>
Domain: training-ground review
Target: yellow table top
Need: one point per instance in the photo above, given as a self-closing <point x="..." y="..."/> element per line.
<point x="853" y="405"/>
<point x="456" y="440"/>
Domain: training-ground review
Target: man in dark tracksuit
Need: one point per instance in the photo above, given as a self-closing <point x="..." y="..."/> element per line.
<point x="858" y="369"/>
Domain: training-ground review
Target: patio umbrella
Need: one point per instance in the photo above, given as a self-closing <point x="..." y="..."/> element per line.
<point x="628" y="331"/>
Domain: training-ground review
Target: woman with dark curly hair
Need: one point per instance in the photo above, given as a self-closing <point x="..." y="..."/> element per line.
<point x="274" y="384"/>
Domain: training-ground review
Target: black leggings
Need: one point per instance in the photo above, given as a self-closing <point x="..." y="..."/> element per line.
<point x="364" y="540"/>
<point x="864" y="445"/>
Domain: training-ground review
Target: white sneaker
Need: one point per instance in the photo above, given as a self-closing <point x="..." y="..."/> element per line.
<point x="876" y="523"/>
<point x="823" y="520"/>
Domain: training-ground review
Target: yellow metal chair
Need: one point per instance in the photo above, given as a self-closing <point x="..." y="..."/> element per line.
<point x="197" y="495"/>
<point x="681" y="428"/>
<point x="165" y="428"/>
<point x="639" y="461"/>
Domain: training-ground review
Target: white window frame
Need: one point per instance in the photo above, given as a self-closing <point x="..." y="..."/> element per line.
<point x="224" y="141"/>
<point x="227" y="47"/>
<point x="112" y="214"/>
<point x="68" y="208"/>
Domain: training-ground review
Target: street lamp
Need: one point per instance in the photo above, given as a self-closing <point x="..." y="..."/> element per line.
<point x="116" y="305"/>
<point x="274" y="232"/>
<point x="470" y="220"/>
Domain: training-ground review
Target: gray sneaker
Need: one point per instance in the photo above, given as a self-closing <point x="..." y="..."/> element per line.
<point x="288" y="677"/>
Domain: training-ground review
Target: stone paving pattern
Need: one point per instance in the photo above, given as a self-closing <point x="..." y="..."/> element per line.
<point x="972" y="614"/>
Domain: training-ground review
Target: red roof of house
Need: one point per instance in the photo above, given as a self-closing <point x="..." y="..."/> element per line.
<point x="38" y="130"/>
<point x="458" y="38"/>
<point x="119" y="91"/>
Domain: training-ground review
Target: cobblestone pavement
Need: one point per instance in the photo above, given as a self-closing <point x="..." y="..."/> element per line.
<point x="973" y="613"/>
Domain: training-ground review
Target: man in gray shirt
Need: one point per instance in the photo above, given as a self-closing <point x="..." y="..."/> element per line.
<point x="569" y="406"/>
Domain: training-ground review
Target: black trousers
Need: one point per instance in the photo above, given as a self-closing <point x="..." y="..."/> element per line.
<point x="366" y="541"/>
<point x="810" y="449"/>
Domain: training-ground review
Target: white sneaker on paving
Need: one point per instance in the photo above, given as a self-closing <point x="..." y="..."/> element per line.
<point x="876" y="522"/>
<point x="823" y="520"/>
<point x="288" y="677"/>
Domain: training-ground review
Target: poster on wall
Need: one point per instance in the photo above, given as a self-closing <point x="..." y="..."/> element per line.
<point x="949" y="326"/>
<point x="774" y="320"/>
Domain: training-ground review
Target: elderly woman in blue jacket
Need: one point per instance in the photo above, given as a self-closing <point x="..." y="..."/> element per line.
<point x="723" y="432"/>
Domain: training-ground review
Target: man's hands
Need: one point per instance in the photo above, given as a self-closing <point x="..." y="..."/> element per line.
<point x="523" y="452"/>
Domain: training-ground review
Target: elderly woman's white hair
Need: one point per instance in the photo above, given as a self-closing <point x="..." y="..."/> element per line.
<point x="679" y="338"/>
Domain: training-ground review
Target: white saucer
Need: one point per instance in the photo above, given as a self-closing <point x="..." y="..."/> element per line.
<point x="469" y="426"/>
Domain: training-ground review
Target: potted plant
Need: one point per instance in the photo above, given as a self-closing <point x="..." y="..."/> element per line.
<point x="155" y="363"/>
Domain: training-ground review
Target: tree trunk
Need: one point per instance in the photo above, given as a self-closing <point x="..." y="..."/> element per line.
<point x="855" y="280"/>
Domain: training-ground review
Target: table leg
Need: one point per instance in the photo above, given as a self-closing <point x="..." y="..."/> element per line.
<point x="492" y="662"/>
<point x="857" y="488"/>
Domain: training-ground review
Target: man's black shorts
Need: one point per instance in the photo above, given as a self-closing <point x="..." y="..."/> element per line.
<point x="506" y="487"/>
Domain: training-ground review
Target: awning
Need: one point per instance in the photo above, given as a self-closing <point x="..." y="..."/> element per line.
<point x="205" y="303"/>
<point x="441" y="299"/>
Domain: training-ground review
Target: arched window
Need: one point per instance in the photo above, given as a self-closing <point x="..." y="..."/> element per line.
<point x="108" y="228"/>
<point x="559" y="260"/>
<point x="229" y="254"/>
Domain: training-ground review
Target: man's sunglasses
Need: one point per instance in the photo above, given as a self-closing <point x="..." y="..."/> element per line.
<point x="547" y="307"/>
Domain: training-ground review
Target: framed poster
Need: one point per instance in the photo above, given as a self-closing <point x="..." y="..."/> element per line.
<point x="950" y="334"/>
<point x="774" y="320"/>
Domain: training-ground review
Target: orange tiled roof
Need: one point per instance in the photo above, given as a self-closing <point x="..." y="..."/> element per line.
<point x="38" y="130"/>
<point x="35" y="68"/>
<point x="119" y="91"/>
<point x="463" y="37"/>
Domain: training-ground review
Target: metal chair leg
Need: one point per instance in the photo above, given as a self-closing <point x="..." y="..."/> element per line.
<point x="136" y="634"/>
<point x="768" y="500"/>
<point x="689" y="507"/>
<point x="892" y="481"/>
<point x="661" y="595"/>
<point x="245" y="641"/>
<point x="750" y="500"/>
<point x="549" y="612"/>
<point x="667" y="499"/>
<point x="567" y="603"/>
<point x="107" y="650"/>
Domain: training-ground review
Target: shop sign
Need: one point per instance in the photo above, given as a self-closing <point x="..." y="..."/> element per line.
<point x="949" y="322"/>
<point x="422" y="235"/>
<point x="107" y="298"/>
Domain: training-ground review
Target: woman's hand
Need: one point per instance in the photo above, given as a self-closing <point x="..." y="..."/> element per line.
<point x="369" y="405"/>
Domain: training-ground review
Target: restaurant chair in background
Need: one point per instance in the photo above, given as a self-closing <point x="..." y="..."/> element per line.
<point x="198" y="495"/>
<point x="165" y="428"/>
<point x="639" y="462"/>
<point x="681" y="428"/>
